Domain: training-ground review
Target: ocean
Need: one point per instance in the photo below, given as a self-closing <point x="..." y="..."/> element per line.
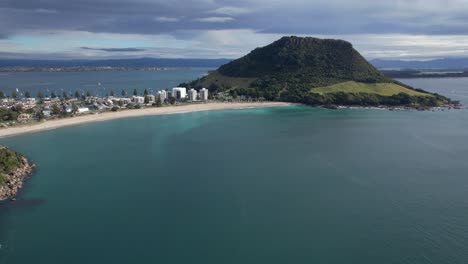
<point x="270" y="185"/>
<point x="97" y="83"/>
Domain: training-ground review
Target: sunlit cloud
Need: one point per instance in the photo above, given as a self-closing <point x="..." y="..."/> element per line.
<point x="215" y="19"/>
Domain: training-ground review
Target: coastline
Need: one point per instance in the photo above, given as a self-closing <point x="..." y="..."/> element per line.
<point x="16" y="179"/>
<point x="153" y="111"/>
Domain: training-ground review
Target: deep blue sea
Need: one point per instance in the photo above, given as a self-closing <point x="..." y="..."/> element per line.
<point x="271" y="185"/>
<point x="97" y="83"/>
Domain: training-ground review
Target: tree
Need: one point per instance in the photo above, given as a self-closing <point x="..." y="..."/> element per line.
<point x="88" y="93"/>
<point x="64" y="95"/>
<point x="123" y="93"/>
<point x="56" y="109"/>
<point x="77" y="94"/>
<point x="112" y="93"/>
<point x="147" y="99"/>
<point x="158" y="101"/>
<point x="2" y="95"/>
<point x="146" y="92"/>
<point x="40" y="95"/>
<point x="40" y="115"/>
<point x="18" y="108"/>
<point x="14" y="94"/>
<point x="135" y="92"/>
<point x="172" y="100"/>
<point x="27" y="94"/>
<point x="74" y="108"/>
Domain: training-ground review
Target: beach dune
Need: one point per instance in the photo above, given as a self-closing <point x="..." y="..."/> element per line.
<point x="58" y="123"/>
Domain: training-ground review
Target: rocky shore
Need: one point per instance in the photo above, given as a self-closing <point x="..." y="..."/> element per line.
<point x="13" y="181"/>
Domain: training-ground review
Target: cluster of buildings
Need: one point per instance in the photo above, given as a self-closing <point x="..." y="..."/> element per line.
<point x="25" y="103"/>
<point x="180" y="93"/>
<point x="45" y="106"/>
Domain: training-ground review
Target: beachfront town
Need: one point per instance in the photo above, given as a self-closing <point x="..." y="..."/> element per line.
<point x="23" y="109"/>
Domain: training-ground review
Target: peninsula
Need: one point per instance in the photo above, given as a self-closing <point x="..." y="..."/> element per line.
<point x="314" y="72"/>
<point x="14" y="169"/>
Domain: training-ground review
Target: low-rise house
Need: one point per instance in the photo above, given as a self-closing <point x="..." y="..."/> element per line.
<point x="151" y="98"/>
<point x="46" y="113"/>
<point x="47" y="103"/>
<point x="29" y="101"/>
<point x="82" y="110"/>
<point x="8" y="102"/>
<point x="99" y="106"/>
<point x="68" y="108"/>
<point x="125" y="101"/>
<point x="109" y="102"/>
<point x="24" y="117"/>
<point x="138" y="99"/>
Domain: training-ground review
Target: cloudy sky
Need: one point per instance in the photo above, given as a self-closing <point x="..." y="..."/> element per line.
<point x="396" y="29"/>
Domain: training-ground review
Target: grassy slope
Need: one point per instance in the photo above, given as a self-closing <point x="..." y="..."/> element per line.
<point x="384" y="89"/>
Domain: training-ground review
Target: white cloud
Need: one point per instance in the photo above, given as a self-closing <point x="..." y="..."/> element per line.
<point x="215" y="19"/>
<point x="231" y="11"/>
<point x="167" y="19"/>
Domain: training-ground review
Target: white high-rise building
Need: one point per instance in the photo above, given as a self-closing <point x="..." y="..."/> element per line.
<point x="204" y="94"/>
<point x="162" y="95"/>
<point x="192" y="94"/>
<point x="179" y="92"/>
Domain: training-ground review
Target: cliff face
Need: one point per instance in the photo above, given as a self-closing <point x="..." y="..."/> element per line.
<point x="16" y="169"/>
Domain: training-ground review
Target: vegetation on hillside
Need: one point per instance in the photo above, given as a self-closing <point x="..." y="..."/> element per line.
<point x="9" y="161"/>
<point x="312" y="71"/>
<point x="384" y="89"/>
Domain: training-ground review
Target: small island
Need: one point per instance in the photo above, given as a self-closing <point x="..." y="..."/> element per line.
<point x="317" y="72"/>
<point x="14" y="169"/>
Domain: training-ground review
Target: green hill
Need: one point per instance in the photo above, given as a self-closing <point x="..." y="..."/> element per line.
<point x="312" y="71"/>
<point x="383" y="89"/>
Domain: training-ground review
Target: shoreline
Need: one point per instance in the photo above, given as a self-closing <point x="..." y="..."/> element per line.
<point x="153" y="111"/>
<point x="15" y="180"/>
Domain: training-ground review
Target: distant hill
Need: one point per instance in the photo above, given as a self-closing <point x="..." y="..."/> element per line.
<point x="451" y="63"/>
<point x="303" y="70"/>
<point x="142" y="62"/>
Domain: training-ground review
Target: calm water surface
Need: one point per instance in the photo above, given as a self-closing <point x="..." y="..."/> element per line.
<point x="97" y="83"/>
<point x="277" y="185"/>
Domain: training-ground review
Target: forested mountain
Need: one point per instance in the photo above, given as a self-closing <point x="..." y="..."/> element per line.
<point x="312" y="71"/>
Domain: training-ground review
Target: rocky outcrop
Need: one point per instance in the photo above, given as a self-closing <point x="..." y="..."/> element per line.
<point x="14" y="180"/>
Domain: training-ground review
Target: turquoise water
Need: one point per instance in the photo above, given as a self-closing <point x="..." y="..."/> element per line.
<point x="273" y="185"/>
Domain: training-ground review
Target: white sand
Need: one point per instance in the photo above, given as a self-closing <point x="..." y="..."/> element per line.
<point x="57" y="123"/>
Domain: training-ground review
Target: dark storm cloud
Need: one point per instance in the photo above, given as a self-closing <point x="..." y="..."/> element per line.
<point x="287" y="17"/>
<point x="114" y="49"/>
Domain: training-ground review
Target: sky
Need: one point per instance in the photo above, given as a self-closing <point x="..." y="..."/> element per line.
<point x="94" y="29"/>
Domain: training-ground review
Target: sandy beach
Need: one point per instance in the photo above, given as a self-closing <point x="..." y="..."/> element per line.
<point x="77" y="120"/>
